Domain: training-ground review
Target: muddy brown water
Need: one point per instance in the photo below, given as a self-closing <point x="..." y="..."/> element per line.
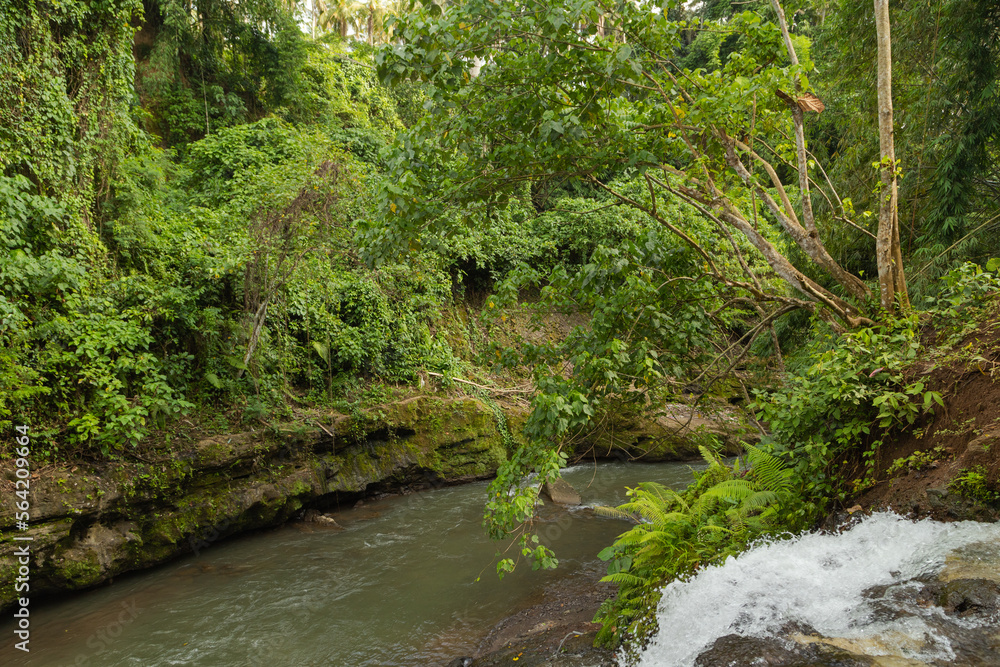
<point x="407" y="581"/>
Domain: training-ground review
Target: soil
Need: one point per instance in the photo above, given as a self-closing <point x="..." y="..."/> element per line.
<point x="963" y="435"/>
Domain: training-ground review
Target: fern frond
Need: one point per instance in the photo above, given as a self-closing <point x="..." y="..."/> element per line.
<point x="624" y="579"/>
<point x="758" y="501"/>
<point x="768" y="470"/>
<point x="631" y="538"/>
<point x="659" y="494"/>
<point x="615" y="513"/>
<point x="710" y="458"/>
<point x="736" y="490"/>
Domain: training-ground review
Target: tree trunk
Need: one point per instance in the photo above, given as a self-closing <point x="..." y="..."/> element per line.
<point x="888" y="253"/>
<point x="806" y="235"/>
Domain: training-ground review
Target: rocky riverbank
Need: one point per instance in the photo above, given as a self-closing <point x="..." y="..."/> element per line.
<point x="92" y="522"/>
<point x="556" y="632"/>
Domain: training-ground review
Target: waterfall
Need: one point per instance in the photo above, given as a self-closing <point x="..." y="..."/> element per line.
<point x="824" y="582"/>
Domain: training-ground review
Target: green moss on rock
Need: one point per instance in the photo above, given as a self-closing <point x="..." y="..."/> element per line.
<point x="138" y="515"/>
<point x="78" y="572"/>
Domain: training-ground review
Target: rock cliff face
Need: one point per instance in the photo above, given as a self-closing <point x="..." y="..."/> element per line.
<point x="90" y="523"/>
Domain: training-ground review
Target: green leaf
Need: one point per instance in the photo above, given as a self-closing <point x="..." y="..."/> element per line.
<point x="236" y="362"/>
<point x="322" y="350"/>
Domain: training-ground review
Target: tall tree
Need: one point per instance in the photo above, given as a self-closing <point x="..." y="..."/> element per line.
<point x="945" y="72"/>
<point x="892" y="282"/>
<point x="553" y="99"/>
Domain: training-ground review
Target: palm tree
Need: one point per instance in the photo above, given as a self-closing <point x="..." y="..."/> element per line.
<point x="368" y="17"/>
<point x="341" y="15"/>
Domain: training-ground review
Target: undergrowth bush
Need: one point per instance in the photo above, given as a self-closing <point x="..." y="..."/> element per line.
<point x="839" y="406"/>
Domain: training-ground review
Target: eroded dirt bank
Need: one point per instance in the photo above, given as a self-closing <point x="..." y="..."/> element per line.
<point x="946" y="465"/>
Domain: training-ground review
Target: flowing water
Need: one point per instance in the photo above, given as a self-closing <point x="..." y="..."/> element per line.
<point x="860" y="590"/>
<point x="396" y="587"/>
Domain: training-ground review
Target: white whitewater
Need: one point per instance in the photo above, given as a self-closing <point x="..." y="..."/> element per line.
<point x="817" y="580"/>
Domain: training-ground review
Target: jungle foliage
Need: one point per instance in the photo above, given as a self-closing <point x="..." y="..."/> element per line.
<point x="185" y="192"/>
<point x="144" y="250"/>
<point x="713" y="125"/>
<point x="240" y="207"/>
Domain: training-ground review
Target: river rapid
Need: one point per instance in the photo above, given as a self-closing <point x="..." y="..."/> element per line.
<point x="889" y="591"/>
<point x="407" y="581"/>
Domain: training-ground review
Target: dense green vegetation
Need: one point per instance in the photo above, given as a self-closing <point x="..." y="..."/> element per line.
<point x="228" y="208"/>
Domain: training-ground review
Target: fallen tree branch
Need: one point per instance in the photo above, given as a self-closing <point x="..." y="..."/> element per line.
<point x="482" y="386"/>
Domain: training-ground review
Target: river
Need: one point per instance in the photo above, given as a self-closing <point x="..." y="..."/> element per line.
<point x="408" y="581"/>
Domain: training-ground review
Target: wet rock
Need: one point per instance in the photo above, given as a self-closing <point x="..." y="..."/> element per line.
<point x="736" y="651"/>
<point x="840" y="522"/>
<point x="966" y="597"/>
<point x="557" y="632"/>
<point x="980" y="560"/>
<point x="460" y="662"/>
<point x="317" y="517"/>
<point x="560" y="491"/>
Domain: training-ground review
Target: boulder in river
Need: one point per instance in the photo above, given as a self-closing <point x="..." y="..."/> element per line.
<point x="970" y="596"/>
<point x="560" y="491"/>
<point x="774" y="652"/>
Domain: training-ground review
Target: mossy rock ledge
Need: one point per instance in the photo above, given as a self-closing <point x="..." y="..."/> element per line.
<point x="673" y="433"/>
<point x="90" y="523"/>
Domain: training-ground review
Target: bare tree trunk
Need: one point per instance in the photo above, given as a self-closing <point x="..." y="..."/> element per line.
<point x="258" y="323"/>
<point x="888" y="253"/>
<point x="807" y="240"/>
<point x="805" y="234"/>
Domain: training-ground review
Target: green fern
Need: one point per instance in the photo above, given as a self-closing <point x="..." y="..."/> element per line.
<point x="676" y="533"/>
<point x="769" y="471"/>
